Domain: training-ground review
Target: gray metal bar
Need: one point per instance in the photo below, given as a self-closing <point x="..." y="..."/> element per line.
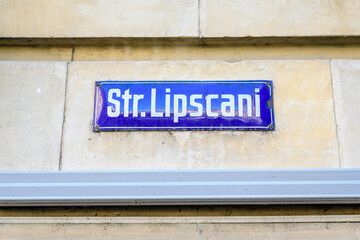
<point x="198" y="187"/>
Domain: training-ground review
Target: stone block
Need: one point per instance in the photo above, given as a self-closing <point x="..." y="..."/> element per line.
<point x="11" y="53"/>
<point x="227" y="53"/>
<point x="346" y="78"/>
<point x="106" y="18"/>
<point x="305" y="135"/>
<point x="31" y="113"/>
<point x="98" y="231"/>
<point x="278" y="18"/>
<point x="284" y="231"/>
<point x="273" y="228"/>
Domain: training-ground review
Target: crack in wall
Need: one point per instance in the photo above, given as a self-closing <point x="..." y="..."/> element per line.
<point x="336" y="115"/>
<point x="64" y="118"/>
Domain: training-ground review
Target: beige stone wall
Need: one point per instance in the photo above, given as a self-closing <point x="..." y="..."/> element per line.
<point x="346" y="76"/>
<point x="32" y="109"/>
<point x="310" y="49"/>
<point x="91" y="18"/>
<point x="48" y="97"/>
<point x="305" y="135"/>
<point x="258" y="18"/>
<point x="172" y="18"/>
<point x="179" y="52"/>
<point x="272" y="227"/>
<point x="313" y="107"/>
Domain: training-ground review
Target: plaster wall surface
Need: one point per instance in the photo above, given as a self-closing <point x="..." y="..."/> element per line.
<point x="31" y="113"/>
<point x="222" y="52"/>
<point x="180" y="228"/>
<point x="305" y="135"/>
<point x="177" y="150"/>
<point x="92" y="18"/>
<point x="171" y="18"/>
<point x="178" y="52"/>
<point x="241" y="18"/>
<point x="16" y="53"/>
<point x="309" y="133"/>
<point x="346" y="77"/>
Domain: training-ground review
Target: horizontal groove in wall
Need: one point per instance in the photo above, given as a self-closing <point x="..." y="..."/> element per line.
<point x="98" y="41"/>
<point x="182" y="220"/>
<point x="181" y="211"/>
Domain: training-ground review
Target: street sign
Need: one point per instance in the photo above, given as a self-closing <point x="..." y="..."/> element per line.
<point x="183" y="105"/>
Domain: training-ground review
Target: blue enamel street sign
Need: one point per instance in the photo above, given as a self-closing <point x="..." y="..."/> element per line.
<point x="183" y="105"/>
